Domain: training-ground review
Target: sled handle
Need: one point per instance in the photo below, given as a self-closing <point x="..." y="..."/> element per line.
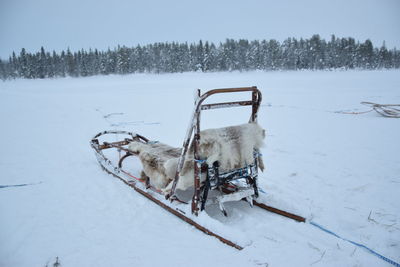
<point x="255" y="101"/>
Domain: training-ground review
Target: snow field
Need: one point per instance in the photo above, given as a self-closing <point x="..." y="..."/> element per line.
<point x="341" y="171"/>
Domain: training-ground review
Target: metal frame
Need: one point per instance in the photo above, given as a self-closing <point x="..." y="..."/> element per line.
<point x="193" y="133"/>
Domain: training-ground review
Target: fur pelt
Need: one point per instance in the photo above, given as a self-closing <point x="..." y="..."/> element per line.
<point x="154" y="157"/>
<point x="231" y="146"/>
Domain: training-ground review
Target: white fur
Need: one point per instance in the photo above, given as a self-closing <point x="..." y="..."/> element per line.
<point x="231" y="146"/>
<point x="154" y="158"/>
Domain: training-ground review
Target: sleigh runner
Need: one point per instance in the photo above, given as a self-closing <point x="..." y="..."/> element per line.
<point x="217" y="165"/>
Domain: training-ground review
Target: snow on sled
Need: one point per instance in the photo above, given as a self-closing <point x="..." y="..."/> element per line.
<point x="214" y="166"/>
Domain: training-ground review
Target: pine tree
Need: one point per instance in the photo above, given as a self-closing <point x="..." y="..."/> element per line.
<point x="122" y="60"/>
<point x="200" y="58"/>
<point x="3" y="72"/>
<point x="71" y="64"/>
<point x="42" y="65"/>
<point x="23" y="64"/>
<point x="383" y="57"/>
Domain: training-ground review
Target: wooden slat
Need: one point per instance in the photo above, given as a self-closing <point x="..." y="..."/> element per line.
<point x="280" y="212"/>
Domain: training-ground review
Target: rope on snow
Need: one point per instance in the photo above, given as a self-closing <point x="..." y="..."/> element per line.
<point x="356" y="244"/>
<point x="386" y="110"/>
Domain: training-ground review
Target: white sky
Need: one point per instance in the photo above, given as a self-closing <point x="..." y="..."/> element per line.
<point x="58" y="24"/>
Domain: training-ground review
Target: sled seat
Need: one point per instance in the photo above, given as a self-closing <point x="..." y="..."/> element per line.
<point x="158" y="160"/>
<point x="232" y="147"/>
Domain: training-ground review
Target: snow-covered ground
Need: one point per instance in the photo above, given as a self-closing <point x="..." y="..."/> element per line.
<point x="340" y="171"/>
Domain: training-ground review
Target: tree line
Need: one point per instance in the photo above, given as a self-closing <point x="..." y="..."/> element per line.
<point x="232" y="55"/>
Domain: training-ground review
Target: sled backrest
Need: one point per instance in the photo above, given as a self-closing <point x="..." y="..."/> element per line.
<point x="254" y="102"/>
<point x="193" y="131"/>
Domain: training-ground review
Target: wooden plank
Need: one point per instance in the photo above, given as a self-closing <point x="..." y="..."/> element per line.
<point x="280" y="212"/>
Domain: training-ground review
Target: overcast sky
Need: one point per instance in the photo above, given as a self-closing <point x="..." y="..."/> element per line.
<point x="100" y="24"/>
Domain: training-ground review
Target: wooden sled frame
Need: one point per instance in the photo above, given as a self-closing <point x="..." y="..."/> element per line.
<point x="116" y="169"/>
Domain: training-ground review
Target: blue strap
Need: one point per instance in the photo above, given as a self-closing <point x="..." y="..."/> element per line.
<point x="357" y="244"/>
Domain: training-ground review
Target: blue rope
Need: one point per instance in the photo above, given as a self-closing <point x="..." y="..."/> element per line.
<point x="357" y="244"/>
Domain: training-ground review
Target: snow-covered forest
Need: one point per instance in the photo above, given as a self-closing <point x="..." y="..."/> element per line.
<point x="242" y="55"/>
